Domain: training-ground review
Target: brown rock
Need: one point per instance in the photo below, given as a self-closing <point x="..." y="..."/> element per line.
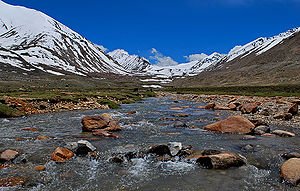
<point x="249" y="108"/>
<point x="103" y="133"/>
<point x="113" y="126"/>
<point x="268" y="135"/>
<point x="233" y="124"/>
<point x="160" y="150"/>
<point x="210" y="106"/>
<point x="131" y="112"/>
<point x="232" y="106"/>
<point x="11" y="181"/>
<point x="175" y="108"/>
<point x="290" y="171"/>
<point x="39" y="168"/>
<point x="221" y="160"/>
<point x="91" y="123"/>
<point x="61" y="154"/>
<point x="30" y="129"/>
<point x="297" y="101"/>
<point x="8" y="155"/>
<point x="43" y="137"/>
<point x="284" y="116"/>
<point x="293" y="109"/>
<point x="261" y="130"/>
<point x="185" y="106"/>
<point x="106" y="116"/>
<point x="217" y="107"/>
<point x="201" y="107"/>
<point x="282" y="133"/>
<point x="290" y="155"/>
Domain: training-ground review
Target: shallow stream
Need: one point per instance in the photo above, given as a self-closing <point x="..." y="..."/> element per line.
<point x="142" y="130"/>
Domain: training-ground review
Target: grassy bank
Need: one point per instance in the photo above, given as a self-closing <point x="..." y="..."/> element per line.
<point x="264" y="91"/>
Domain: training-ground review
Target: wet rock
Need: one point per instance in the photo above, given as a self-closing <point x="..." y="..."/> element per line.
<point x="39" y="168"/>
<point x="268" y="135"/>
<point x="221" y="160"/>
<point x="43" y="137"/>
<point x="290" y="171"/>
<point x="293" y="109"/>
<point x="258" y="122"/>
<point x="232" y="106"/>
<point x="186" y="151"/>
<point x="103" y="133"/>
<point x="261" y="130"/>
<point x="233" y="124"/>
<point x="131" y="112"/>
<point x="159" y="150"/>
<point x="84" y="147"/>
<point x="175" y="108"/>
<point x="11" y="181"/>
<point x="113" y="126"/>
<point x="164" y="158"/>
<point x="174" y="147"/>
<point x="106" y="116"/>
<point x="284" y="116"/>
<point x="180" y="115"/>
<point x="282" y="133"/>
<point x="210" y="152"/>
<point x="8" y="155"/>
<point x="249" y="137"/>
<point x="249" y="108"/>
<point x="61" y="154"/>
<point x="117" y="159"/>
<point x="218" y="107"/>
<point x="210" y="106"/>
<point x="91" y="123"/>
<point x="290" y="155"/>
<point x="72" y="146"/>
<point x="179" y="124"/>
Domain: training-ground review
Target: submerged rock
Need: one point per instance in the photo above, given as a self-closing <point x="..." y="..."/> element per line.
<point x="290" y="171"/>
<point x="61" y="154"/>
<point x="233" y="124"/>
<point x="220" y="160"/>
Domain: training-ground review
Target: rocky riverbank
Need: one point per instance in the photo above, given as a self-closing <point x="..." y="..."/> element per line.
<point x="277" y="111"/>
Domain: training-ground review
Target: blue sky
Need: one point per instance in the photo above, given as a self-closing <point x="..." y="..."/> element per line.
<point x="175" y="28"/>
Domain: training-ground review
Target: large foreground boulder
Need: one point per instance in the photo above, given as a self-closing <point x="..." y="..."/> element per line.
<point x="290" y="171"/>
<point x="233" y="124"/>
<point x="219" y="160"/>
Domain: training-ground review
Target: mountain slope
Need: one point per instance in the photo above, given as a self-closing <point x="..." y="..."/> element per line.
<point x="274" y="60"/>
<point x="31" y="40"/>
<point x="129" y="62"/>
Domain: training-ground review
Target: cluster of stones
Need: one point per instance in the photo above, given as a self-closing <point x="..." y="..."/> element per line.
<point x="39" y="106"/>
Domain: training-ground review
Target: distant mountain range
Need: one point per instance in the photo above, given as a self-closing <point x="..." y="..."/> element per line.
<point x="34" y="42"/>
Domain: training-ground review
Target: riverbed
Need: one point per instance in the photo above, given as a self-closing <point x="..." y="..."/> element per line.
<point x="142" y="130"/>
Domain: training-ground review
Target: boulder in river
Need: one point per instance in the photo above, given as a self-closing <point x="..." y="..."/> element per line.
<point x="61" y="154"/>
<point x="174" y="147"/>
<point x="180" y="124"/>
<point x="106" y="116"/>
<point x="84" y="147"/>
<point x="91" y="123"/>
<point x="293" y="109"/>
<point x="233" y="124"/>
<point x="290" y="155"/>
<point x="113" y="126"/>
<point x="282" y="133"/>
<point x="159" y="150"/>
<point x="210" y="106"/>
<point x="8" y="155"/>
<point x="249" y="108"/>
<point x="220" y="160"/>
<point x="290" y="171"/>
<point x="262" y="129"/>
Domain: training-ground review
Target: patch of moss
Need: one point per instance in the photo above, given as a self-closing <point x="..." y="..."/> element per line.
<point x="128" y="101"/>
<point x="110" y="104"/>
<point x="6" y="111"/>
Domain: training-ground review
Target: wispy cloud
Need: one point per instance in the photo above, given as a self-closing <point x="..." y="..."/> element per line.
<point x="194" y="57"/>
<point x="162" y="60"/>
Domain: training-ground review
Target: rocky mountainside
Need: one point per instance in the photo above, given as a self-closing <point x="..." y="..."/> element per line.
<point x="133" y="63"/>
<point x="274" y="60"/>
<point x="33" y="41"/>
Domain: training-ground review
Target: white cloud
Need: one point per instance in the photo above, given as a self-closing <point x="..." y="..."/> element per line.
<point x="194" y="57"/>
<point x="162" y="60"/>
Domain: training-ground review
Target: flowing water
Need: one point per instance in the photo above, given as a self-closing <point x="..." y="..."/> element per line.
<point x="141" y="130"/>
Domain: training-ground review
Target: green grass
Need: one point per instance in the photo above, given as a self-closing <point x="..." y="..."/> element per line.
<point x="110" y="104"/>
<point x="6" y="111"/>
<point x="263" y="91"/>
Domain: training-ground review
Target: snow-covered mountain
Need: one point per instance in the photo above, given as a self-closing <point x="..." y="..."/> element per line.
<point x="31" y="40"/>
<point x="132" y="63"/>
